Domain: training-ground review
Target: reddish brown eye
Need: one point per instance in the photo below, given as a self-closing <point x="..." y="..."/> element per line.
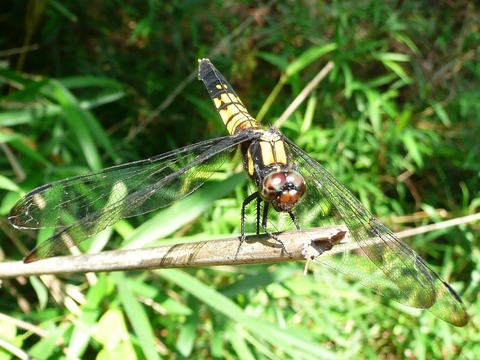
<point x="283" y="189"/>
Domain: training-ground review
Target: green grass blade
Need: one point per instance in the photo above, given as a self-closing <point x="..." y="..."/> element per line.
<point x="137" y="316"/>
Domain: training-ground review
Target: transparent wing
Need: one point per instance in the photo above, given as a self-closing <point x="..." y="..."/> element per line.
<point x="375" y="257"/>
<point x="82" y="206"/>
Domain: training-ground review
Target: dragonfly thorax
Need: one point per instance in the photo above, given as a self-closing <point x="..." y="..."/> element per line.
<point x="282" y="189"/>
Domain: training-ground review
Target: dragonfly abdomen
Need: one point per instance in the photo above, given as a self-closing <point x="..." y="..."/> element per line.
<point x="234" y="115"/>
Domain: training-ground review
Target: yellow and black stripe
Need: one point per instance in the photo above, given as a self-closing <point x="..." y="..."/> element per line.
<point x="231" y="109"/>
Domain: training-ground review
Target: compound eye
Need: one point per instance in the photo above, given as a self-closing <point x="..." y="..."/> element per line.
<point x="283" y="189"/>
<point x="273" y="185"/>
<point x="296" y="181"/>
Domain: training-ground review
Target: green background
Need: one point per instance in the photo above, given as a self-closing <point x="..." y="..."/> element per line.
<point x="86" y="85"/>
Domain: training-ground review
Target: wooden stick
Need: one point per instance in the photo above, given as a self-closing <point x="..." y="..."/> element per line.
<point x="301" y="245"/>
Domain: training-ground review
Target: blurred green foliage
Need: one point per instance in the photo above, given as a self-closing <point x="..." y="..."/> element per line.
<point x="396" y="120"/>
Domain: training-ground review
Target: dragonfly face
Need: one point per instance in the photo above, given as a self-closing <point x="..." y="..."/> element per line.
<point x="282" y="189"/>
<point x="303" y="193"/>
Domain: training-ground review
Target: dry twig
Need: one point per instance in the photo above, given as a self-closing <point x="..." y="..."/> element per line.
<point x="255" y="250"/>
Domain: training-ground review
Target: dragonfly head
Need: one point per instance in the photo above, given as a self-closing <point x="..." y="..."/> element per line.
<point x="283" y="189"/>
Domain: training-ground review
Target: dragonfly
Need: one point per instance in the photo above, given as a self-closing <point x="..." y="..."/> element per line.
<point x="293" y="191"/>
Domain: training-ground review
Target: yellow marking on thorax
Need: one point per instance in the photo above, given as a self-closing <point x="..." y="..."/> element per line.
<point x="268" y="157"/>
<point x="272" y="152"/>
<point x="250" y="168"/>
<point x="280" y="152"/>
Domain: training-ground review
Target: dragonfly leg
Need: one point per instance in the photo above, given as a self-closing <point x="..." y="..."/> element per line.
<point x="259" y="209"/>
<point x="247" y="201"/>
<point x="294" y="219"/>
<point x="264" y="226"/>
